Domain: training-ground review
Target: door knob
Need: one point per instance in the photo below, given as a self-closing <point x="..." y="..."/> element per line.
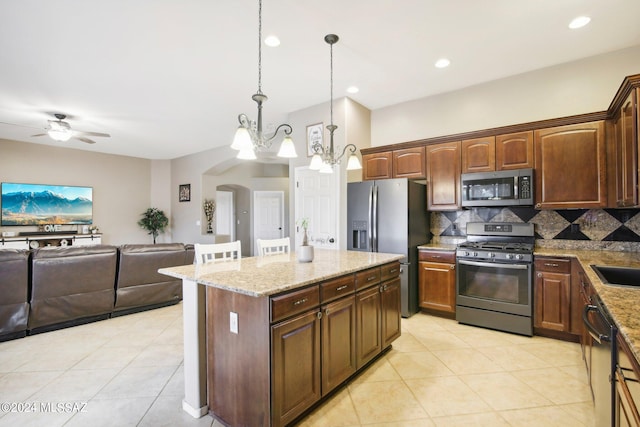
<point x="331" y="240"/>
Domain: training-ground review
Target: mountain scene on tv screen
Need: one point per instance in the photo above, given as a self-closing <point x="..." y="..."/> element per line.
<point x="45" y="207"/>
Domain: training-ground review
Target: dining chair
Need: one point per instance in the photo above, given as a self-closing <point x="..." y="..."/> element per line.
<point x="216" y="252"/>
<point x="273" y="246"/>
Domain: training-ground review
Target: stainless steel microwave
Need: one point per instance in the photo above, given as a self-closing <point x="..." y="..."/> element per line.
<point x="500" y="188"/>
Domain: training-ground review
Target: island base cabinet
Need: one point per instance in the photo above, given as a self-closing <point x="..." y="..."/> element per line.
<point x="295" y="366"/>
<point x="338" y="342"/>
<point x="369" y="343"/>
<point x="390" y="311"/>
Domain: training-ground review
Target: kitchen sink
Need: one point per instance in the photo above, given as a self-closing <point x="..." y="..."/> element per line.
<point x="618" y="276"/>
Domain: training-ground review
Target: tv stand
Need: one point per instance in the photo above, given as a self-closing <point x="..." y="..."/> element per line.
<point x="39" y="240"/>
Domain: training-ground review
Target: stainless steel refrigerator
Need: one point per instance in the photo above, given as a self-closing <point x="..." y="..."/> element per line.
<point x="390" y="216"/>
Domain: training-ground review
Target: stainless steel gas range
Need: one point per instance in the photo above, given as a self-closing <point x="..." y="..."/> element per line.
<point x="494" y="280"/>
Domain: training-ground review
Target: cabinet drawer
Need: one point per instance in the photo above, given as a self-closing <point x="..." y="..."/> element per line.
<point x="336" y="288"/>
<point x="389" y="271"/>
<point x="286" y="305"/>
<point x="437" y="256"/>
<point x="555" y="265"/>
<point x="367" y="278"/>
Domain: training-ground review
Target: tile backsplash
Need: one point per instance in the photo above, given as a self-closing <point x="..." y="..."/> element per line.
<point x="590" y="229"/>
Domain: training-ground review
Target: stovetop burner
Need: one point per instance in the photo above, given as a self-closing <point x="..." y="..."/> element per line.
<point x="498" y="242"/>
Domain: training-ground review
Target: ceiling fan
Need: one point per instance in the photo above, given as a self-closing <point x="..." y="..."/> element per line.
<point x="59" y="130"/>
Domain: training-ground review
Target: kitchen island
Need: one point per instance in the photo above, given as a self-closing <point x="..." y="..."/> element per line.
<point x="278" y="335"/>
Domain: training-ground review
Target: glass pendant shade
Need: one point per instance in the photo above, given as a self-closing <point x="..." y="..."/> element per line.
<point x="242" y="139"/>
<point x="246" y="154"/>
<point x="353" y="163"/>
<point x="316" y="162"/>
<point x="326" y="168"/>
<point x="287" y="148"/>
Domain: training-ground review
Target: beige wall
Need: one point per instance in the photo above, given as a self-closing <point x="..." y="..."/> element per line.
<point x="121" y="185"/>
<point x="578" y="87"/>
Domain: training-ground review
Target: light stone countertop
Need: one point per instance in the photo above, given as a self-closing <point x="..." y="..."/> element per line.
<point x="623" y="303"/>
<point x="269" y="275"/>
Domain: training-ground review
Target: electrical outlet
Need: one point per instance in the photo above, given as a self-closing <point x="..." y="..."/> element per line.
<point x="233" y="322"/>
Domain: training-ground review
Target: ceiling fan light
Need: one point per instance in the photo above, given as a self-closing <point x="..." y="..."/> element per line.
<point x="287" y="148"/>
<point x="326" y="168"/>
<point x="353" y="163"/>
<point x="246" y="154"/>
<point x="242" y="140"/>
<point x="59" y="134"/>
<point x="316" y="162"/>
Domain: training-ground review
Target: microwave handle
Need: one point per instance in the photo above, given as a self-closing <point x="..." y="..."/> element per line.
<point x="516" y="187"/>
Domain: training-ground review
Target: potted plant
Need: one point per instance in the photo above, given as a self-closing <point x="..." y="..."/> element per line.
<point x="305" y="251"/>
<point x="154" y="221"/>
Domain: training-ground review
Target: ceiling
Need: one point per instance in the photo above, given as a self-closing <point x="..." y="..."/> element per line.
<point x="169" y="78"/>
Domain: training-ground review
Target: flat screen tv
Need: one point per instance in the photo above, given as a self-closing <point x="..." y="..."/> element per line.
<point x="36" y="204"/>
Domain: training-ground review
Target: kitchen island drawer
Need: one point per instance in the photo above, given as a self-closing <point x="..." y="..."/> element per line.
<point x="286" y="305"/>
<point x="367" y="278"/>
<point x="337" y="288"/>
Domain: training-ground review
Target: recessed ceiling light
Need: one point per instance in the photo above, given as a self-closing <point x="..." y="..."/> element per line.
<point x="272" y="41"/>
<point x="579" y="22"/>
<point x="353" y="89"/>
<point x="442" y="63"/>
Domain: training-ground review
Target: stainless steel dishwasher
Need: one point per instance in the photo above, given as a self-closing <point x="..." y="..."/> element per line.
<point x="603" y="359"/>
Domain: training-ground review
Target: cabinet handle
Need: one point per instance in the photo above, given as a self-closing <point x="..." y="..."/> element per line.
<point x="301" y="301"/>
<point x="436" y="256"/>
<point x="452" y="266"/>
<point x="551" y="264"/>
<point x="370" y="278"/>
<point x="395" y="270"/>
<point x="326" y="312"/>
<point x="339" y="288"/>
<point x="539" y="274"/>
<point x="538" y="205"/>
<point x="319" y="315"/>
<point x="383" y="288"/>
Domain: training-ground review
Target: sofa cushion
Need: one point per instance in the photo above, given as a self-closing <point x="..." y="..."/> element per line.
<point x="14" y="288"/>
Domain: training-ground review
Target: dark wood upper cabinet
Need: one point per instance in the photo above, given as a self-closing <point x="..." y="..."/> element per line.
<point x="479" y="155"/>
<point x="622" y="154"/>
<point x="514" y="151"/>
<point x="496" y="153"/>
<point x="409" y="163"/>
<point x="377" y="166"/>
<point x="570" y="166"/>
<point x="443" y="176"/>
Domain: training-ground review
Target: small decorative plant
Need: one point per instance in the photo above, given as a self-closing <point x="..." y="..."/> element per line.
<point x="304" y="223"/>
<point x="154" y="221"/>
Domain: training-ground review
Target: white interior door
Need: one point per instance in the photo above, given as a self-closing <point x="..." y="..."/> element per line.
<point x="317" y="198"/>
<point x="268" y="216"/>
<point x="225" y="215"/>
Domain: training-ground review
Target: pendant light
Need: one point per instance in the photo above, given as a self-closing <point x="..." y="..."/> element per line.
<point x="324" y="158"/>
<point x="249" y="136"/>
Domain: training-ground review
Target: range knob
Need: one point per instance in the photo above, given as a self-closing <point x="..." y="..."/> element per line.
<point x="467" y="253"/>
<point x="475" y="254"/>
<point x="509" y="256"/>
<point x="491" y="255"/>
<point x="519" y="256"/>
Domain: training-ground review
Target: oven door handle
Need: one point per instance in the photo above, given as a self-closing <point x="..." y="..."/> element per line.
<point x="495" y="264"/>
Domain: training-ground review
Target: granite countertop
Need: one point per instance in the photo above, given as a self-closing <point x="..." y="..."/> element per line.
<point x="621" y="302"/>
<point x="438" y="246"/>
<point x="268" y="275"/>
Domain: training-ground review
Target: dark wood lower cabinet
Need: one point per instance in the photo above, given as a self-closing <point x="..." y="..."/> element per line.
<point x="390" y="307"/>
<point x="338" y="342"/>
<point x="368" y="323"/>
<point x="295" y="366"/>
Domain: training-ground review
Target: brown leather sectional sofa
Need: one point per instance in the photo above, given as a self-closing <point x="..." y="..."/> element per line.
<point x="55" y="287"/>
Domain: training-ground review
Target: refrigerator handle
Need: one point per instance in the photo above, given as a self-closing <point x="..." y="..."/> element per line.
<point x="375" y="218"/>
<point x="370" y="220"/>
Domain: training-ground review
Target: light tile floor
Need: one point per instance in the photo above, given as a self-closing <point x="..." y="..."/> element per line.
<point x="127" y="371"/>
